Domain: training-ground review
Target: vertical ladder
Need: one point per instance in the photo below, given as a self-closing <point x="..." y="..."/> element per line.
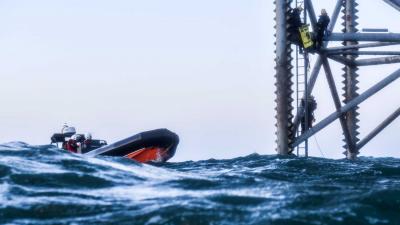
<point x="302" y="70"/>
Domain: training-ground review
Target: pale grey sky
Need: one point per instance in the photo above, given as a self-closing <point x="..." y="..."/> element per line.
<point x="203" y="69"/>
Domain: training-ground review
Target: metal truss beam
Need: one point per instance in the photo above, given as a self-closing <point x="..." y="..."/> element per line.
<point x="378" y="61"/>
<point x="311" y="13"/>
<point x="341" y="59"/>
<point x="365" y="62"/>
<point x="349" y="106"/>
<point x="340" y="49"/>
<point x="375" y="30"/>
<point x="378" y="129"/>
<point x="335" y="96"/>
<point x="390" y="37"/>
<point x="365" y="53"/>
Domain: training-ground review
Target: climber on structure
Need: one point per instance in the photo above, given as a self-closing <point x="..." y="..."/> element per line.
<point x="322" y="26"/>
<point x="295" y="23"/>
<point x="307" y="122"/>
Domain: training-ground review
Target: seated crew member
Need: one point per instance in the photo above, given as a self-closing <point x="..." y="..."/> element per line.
<point x="311" y="107"/>
<point x="87" y="143"/>
<point x="322" y="26"/>
<point x="295" y="23"/>
<point x="72" y="144"/>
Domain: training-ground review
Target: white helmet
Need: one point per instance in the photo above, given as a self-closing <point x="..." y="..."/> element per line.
<point x="74" y="137"/>
<point x="88" y="136"/>
<point x="68" y="130"/>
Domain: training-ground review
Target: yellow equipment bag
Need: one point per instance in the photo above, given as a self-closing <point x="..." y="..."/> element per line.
<point x="305" y="36"/>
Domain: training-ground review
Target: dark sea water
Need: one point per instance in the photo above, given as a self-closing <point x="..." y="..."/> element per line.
<point x="43" y="185"/>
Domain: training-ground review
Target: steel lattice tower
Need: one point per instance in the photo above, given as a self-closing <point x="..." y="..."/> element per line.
<point x="348" y="54"/>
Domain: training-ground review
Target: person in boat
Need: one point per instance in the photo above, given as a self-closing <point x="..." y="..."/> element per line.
<point x="322" y="26"/>
<point x="307" y="123"/>
<point x="72" y="144"/>
<point x="295" y="23"/>
<point x="87" y="143"/>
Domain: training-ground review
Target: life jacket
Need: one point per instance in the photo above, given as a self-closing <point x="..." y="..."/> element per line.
<point x="72" y="146"/>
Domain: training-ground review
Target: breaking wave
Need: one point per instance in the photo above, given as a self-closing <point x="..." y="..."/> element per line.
<point x="44" y="185"/>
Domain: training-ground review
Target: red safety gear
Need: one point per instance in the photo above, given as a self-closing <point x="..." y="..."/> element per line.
<point x="72" y="146"/>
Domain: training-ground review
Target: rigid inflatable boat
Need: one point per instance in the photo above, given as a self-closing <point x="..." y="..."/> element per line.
<point x="149" y="146"/>
<point x="155" y="145"/>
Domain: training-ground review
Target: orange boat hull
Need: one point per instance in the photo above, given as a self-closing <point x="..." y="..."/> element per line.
<point x="152" y="154"/>
<point x="150" y="146"/>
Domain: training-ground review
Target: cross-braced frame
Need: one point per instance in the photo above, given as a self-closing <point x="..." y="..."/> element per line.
<point x="346" y="111"/>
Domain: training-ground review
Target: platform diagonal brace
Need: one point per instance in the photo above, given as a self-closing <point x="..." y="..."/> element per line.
<point x="350" y="105"/>
<point x="311" y="13"/>
<point x="335" y="96"/>
<point x="378" y="129"/>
